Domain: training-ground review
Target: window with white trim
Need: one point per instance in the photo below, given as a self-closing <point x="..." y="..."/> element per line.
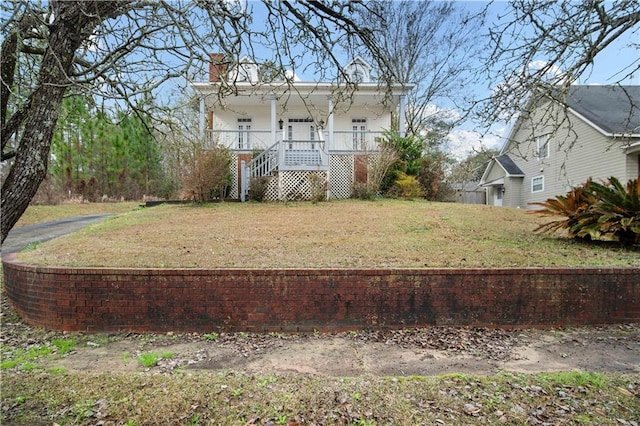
<point x="359" y="126"/>
<point x="537" y="184"/>
<point x="542" y="147"/>
<point x="244" y="129"/>
<point x="312" y="135"/>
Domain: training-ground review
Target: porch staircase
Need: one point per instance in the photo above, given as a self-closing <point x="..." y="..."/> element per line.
<point x="293" y="160"/>
<point x="265" y="164"/>
<point x="268" y="162"/>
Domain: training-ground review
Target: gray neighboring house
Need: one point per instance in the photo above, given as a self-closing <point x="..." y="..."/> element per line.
<point x="556" y="147"/>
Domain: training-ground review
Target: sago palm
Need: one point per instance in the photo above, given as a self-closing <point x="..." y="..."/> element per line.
<point x="597" y="211"/>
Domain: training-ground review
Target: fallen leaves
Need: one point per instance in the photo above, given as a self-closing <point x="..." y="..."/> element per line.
<point x="493" y="344"/>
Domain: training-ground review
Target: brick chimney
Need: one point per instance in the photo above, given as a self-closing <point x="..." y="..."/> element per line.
<point x="217" y="67"/>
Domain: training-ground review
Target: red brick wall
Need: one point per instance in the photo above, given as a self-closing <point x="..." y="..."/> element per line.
<point x="360" y="168"/>
<point x="97" y="299"/>
<point x="217" y="67"/>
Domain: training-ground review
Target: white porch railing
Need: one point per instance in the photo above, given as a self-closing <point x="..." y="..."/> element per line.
<point x="302" y="155"/>
<point x="252" y="140"/>
<point x="356" y="140"/>
<point x="249" y="140"/>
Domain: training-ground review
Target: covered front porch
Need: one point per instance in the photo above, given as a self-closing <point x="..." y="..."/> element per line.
<point x="256" y="122"/>
<point x="311" y="135"/>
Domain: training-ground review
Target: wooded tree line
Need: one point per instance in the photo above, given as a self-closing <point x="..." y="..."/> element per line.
<point x="98" y="154"/>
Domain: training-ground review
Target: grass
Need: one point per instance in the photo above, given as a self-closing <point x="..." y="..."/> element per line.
<point x="64" y="345"/>
<point x="349" y="233"/>
<point x="381" y="233"/>
<point x="210" y="336"/>
<point x="30" y="359"/>
<point x="236" y="399"/>
<point x="150" y="359"/>
<point x="24" y="359"/>
<point x="578" y="378"/>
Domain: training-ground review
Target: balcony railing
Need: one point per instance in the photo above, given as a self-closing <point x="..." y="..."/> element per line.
<point x="356" y="140"/>
<point x="249" y="140"/>
<point x="259" y="140"/>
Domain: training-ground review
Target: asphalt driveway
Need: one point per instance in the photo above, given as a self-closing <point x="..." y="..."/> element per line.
<point x="19" y="238"/>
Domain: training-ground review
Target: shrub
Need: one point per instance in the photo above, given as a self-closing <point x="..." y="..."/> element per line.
<point x="406" y="186"/>
<point x="319" y="186"/>
<point x="408" y="151"/>
<point x="432" y="177"/>
<point x="48" y="193"/>
<point x="595" y="211"/>
<point x="378" y="165"/>
<point x="363" y="191"/>
<point x="258" y="188"/>
<point x="208" y="175"/>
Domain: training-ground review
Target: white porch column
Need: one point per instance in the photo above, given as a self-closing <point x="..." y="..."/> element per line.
<point x="273" y="120"/>
<point x="329" y="141"/>
<point x="244" y="181"/>
<point x="401" y="118"/>
<point x="202" y="118"/>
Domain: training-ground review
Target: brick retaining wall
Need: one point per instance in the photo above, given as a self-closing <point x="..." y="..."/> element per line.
<point x="110" y="299"/>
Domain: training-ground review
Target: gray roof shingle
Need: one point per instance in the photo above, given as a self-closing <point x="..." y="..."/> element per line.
<point x="614" y="109"/>
<point x="509" y="166"/>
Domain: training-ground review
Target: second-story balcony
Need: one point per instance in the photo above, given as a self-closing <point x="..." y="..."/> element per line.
<point x="342" y="141"/>
<point x="240" y="140"/>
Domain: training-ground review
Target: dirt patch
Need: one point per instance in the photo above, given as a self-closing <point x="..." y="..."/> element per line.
<point x="424" y="352"/>
<point x="409" y="352"/>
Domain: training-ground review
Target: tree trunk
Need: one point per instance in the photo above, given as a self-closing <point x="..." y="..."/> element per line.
<point x="32" y="154"/>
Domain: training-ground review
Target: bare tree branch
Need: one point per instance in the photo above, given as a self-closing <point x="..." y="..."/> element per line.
<point x="121" y="51"/>
<point x="428" y="44"/>
<point x="562" y="39"/>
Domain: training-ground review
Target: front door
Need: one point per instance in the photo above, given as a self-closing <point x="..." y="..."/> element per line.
<point x="301" y="129"/>
<point x="498" y="191"/>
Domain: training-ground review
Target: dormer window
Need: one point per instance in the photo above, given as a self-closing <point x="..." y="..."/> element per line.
<point x="358" y="70"/>
<point x="245" y="71"/>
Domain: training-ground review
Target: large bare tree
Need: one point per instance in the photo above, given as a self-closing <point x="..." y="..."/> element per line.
<point x="122" y="49"/>
<point x="538" y="48"/>
<point x="429" y="44"/>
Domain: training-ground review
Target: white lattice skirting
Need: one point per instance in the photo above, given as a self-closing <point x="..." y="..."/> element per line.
<point x="234" y="191"/>
<point x="297" y="185"/>
<point x="305" y="185"/>
<point x="341" y="176"/>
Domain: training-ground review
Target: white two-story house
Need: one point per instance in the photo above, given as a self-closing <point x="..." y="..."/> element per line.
<point x="560" y="143"/>
<point x="295" y="134"/>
